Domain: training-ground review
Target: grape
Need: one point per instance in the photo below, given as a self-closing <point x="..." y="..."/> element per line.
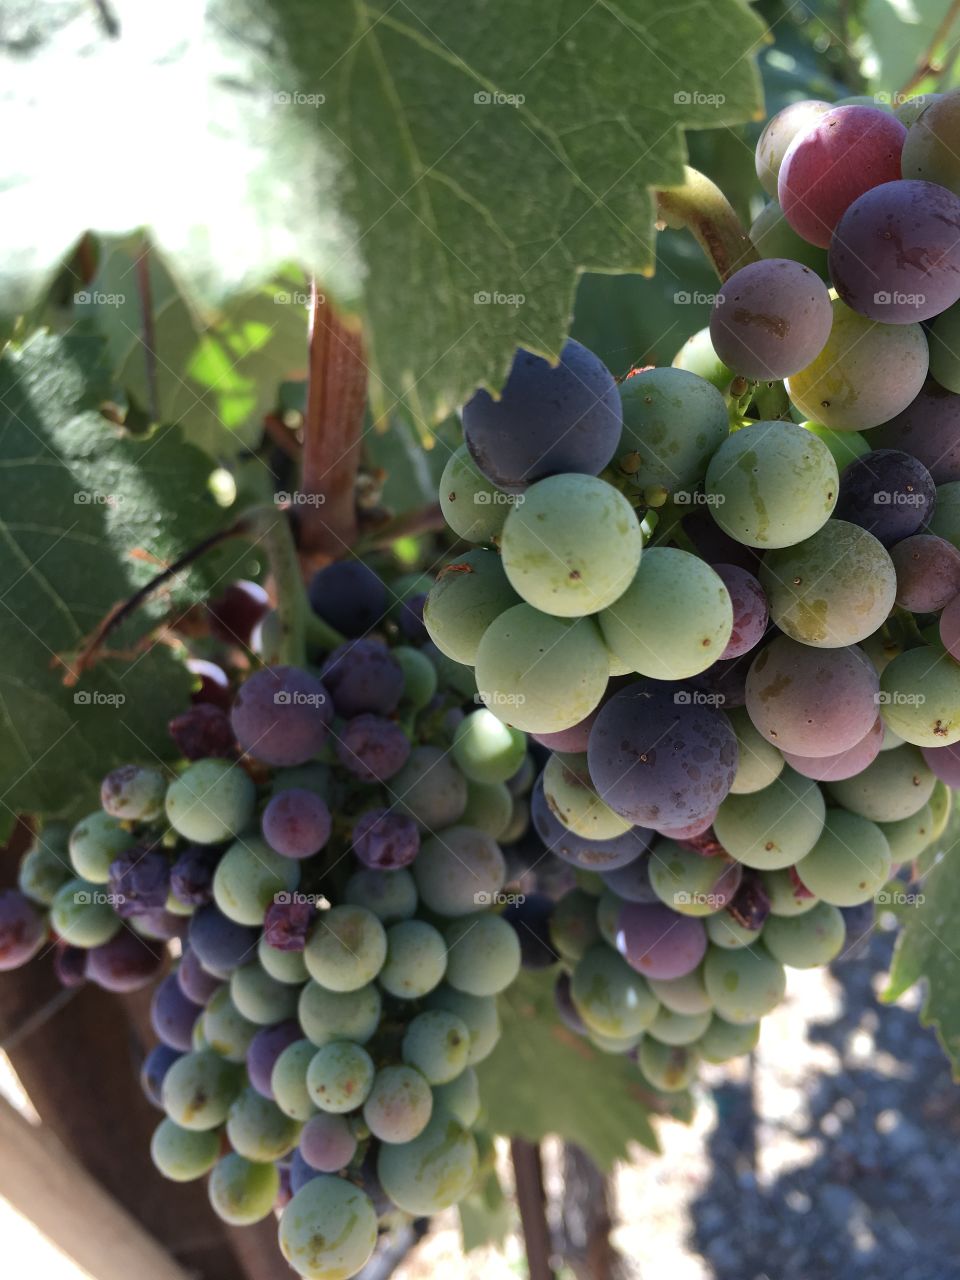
<point x="220" y="943"/>
<point x="329" y="1229"/>
<point x="487" y="750"/>
<point x="658" y="942"/>
<point x="183" y="1154"/>
<point x="327" y="1142"/>
<point x="928" y="573"/>
<point x="786" y="893"/>
<point x="261" y="998"/>
<point x="416" y="960"/>
<point x="778" y="133"/>
<point x="300" y="1173"/>
<point x="399" y="1106"/>
<point x="724" y="1040"/>
<point x="349" y="596"/>
<point x="849" y="862"/>
<point x="225" y="1029"/>
<point x="941" y="807"/>
<point x="725" y="931"/>
<point x="258" y="1129"/>
<point x="235" y="613"/>
<point x="478" y="1013"/>
<point x="22" y="929"/>
<point x="264" y="1050"/>
<point x="459" y="872"/>
<point x="242" y="1192"/>
<point x="372" y="748"/>
<point x="750" y="612"/>
<point x="139" y="881"/>
<point x="599" y="855"/>
<point x="296" y="823"/>
<point x="744" y="984"/>
<point x="772" y="319"/>
<point x="363" y="675"/>
<point x="887" y="492"/>
<point x="385" y="841"/>
<point x="94" y="844"/>
<point x="806" y="941"/>
<point x="466" y="597"/>
<point x="946" y="518"/>
<point x="433" y="1171"/>
<point x="538" y="672"/>
<point x="390" y="895"/>
<point x="667" y="1067"/>
<point x="831" y="162"/>
<point x="198" y="1089"/>
<point x="944" y="338"/>
<point x="347" y="949"/>
<point x="473" y="508"/>
<point x="340" y="1076"/>
<point x="686" y="995"/>
<point x="834" y="589"/>
<point x="548" y="420"/>
<point x="908" y="110"/>
<point x="673" y="421"/>
<point x="632" y="882"/>
<point x="759" y="761"/>
<point x="210" y="684"/>
<point x="191" y="876"/>
<point x="698" y="356"/>
<point x="813" y="702"/>
<point x="459" y="1098"/>
<point x="429" y="788"/>
<point x="772" y="484"/>
<point x="619" y="1045"/>
<point x="81" y="914"/>
<point x="930" y="147"/>
<point x="846" y="446"/>
<point x="288" y="1080"/>
<point x="894" y="786"/>
<point x="689" y="883"/>
<point x="909" y="837"/>
<point x="70" y="965"/>
<point x="529" y="917"/>
<point x="332" y="1015"/>
<point x="844" y="764"/>
<point x="573" y="739"/>
<point x="483" y="955"/>
<point x="671" y="1028"/>
<point x="419" y="676"/>
<point x="281" y="715"/>
<point x="573" y="925"/>
<point x="775" y="827"/>
<point x="660" y="762"/>
<point x="929" y="429"/>
<point x="45" y="868"/>
<point x="249" y="877"/>
<point x="569" y="793"/>
<point x="437" y="1043"/>
<point x="944" y="763"/>
<point x="687" y="631"/>
<point x="125" y="963"/>
<point x="489" y="808"/>
<point x="202" y="732"/>
<point x="154" y="1069"/>
<point x="608" y="910"/>
<point x="133" y="793"/>
<point x="159" y="924"/>
<point x="866" y="374"/>
<point x="920" y="696"/>
<point x="211" y="800"/>
<point x="773" y="237"/>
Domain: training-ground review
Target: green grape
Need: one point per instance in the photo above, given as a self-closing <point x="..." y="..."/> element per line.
<point x="540" y="673"/>
<point x="486" y="749"/>
<point x="198" y="1038"/>
<point x="941" y="806"/>
<point x="258" y="1129"/>
<point x="288" y="1080"/>
<point x="834" y="589"/>
<point x="478" y="1013"/>
<point x="457" y="677"/>
<point x="573" y="925"/>
<point x="679" y="1028"/>
<point x="432" y="1172"/>
<point x="83" y="915"/>
<point x="437" y="1043"/>
<point x="340" y="1076"/>
<point x="390" y="895"/>
<point x="95" y="842"/>
<point x="399" y="1106"/>
<point x="611" y="998"/>
<point x="698" y="356"/>
<point x="945" y="521"/>
<point x="572" y="543"/>
<point x="334" y="1015"/>
<point x="183" y="1154"/>
<point x="786" y="897"/>
<point x="225" y="1029"/>
<point x="687" y="630"/>
<point x="668" y="1067"/>
<point x="846" y="446"/>
<point x="43" y="873"/>
<point x="571" y="798"/>
<point x="895" y="785"/>
<point x="328" y="1231"/>
<point x="210" y="801"/>
<point x="920" y="697"/>
<point x="774" y="827"/>
<point x="930" y="147"/>
<point x="489" y="808"/>
<point x="483" y="955"/>
<point x="849" y="862"/>
<point x="910" y="108"/>
<point x="261" y="998"/>
<point x="689" y="883"/>
<point x="468" y="595"/>
<point x="866" y="374"/>
<point x="346" y="949"/>
<point x="724" y="931"/>
<point x="724" y="1040"/>
<point x="134" y="793"/>
<point x="807" y="941"/>
<point x="199" y="1088"/>
<point x="473" y="508"/>
<point x="944" y="337"/>
<point x="686" y="995"/>
<point x="419" y="676"/>
<point x="759" y="761"/>
<point x="908" y="837"/>
<point x="773" y="237"/>
<point x="607" y="916"/>
<point x="673" y="421"/>
<point x="429" y="788"/>
<point x="416" y="959"/>
<point x="460" y="871"/>
<point x="284" y="966"/>
<point x="459" y="1098"/>
<point x="618" y="1045"/>
<point x="745" y="984"/>
<point x="241" y="1191"/>
<point x="249" y="877"/>
<point x="772" y="484"/>
<point x="519" y="822"/>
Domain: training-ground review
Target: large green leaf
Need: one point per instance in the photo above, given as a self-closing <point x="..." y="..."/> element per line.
<point x="446" y="170"/>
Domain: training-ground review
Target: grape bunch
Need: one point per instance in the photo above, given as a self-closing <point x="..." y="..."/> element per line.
<point x="724" y="596"/>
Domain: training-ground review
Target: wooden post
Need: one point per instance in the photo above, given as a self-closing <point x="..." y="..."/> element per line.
<point x="528" y="1177"/>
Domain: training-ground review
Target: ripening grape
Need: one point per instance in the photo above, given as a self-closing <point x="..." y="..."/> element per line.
<point x="199" y="1088"/>
<point x="437" y="1043"/>
<point x="668" y="1067"/>
<point x="685" y="995"/>
<point x="335" y="1015"/>
<point x="774" y="827"/>
<point x="478" y="1013"/>
<point x="249" y="877"/>
<point x="926" y="429"/>
<point x="243" y="1192"/>
<point x="433" y="1171"/>
<point x="258" y="1129"/>
<point x="346" y="949"/>
<point x="843" y="764"/>
<point x="909" y="837"/>
<point x="483" y="955"/>
<point x="429" y="788"/>
<point x="779" y="131"/>
<point x="698" y="356"/>
<point x="928" y="572"/>
<point x="183" y="1154"/>
<point x="467" y="596"/>
<point x="806" y="941"/>
<point x="126" y="963"/>
<point x="750" y="611"/>
<point x="210" y="801"/>
<point x="340" y="1076"/>
<point x="362" y="675"/>
<point x="930" y="147"/>
<point x="849" y="862"/>
<point x="945" y="764"/>
<point x="133" y="793"/>
<point x="679" y="1028"/>
<point x="265" y="1048"/>
<point x="610" y="996"/>
<point x="724" y="1040"/>
<point x="327" y="1142"/>
<point x="281" y="716"/>
<point x="94" y="843"/>
<point x="658" y="942"/>
<point x="632" y="882"/>
<point x="328" y="1231"/>
<point x="786" y="893"/>
<point x="473" y="508"/>
<point x="220" y="943"/>
<point x="386" y="841"/>
<point x="744" y="984"/>
<point x="487" y="750"/>
<point x="390" y="895"/>
<point x="225" y="1029"/>
<point x="772" y="318"/>
<point x="416" y="960"/>
<point x="288" y="1080"/>
<point x="261" y="998"/>
<point x="759" y="761"/>
<point x="399" y="1105"/>
<point x="887" y="492"/>
<point x="773" y="237"/>
<point x="689" y="883"/>
<point x="459" y="871"/>
<point x="582" y="851"/>
<point x="570" y="794"/>
<point x="673" y="422"/>
<point x="296" y="823"/>
<point x="920" y="697"/>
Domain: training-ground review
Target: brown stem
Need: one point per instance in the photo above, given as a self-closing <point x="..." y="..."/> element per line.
<point x="282" y="436"/>
<point x="528" y="1178"/>
<point x="421" y="520"/>
<point x="701" y="206"/>
<point x="927" y="65"/>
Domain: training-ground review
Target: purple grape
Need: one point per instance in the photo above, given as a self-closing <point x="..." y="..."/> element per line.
<point x="928" y="572"/>
<point x="658" y="942"/>
<point x="220" y="943"/>
<point x="750" y="610"/>
<point x="296" y="823"/>
<point x="658" y="762"/>
<point x="22" y="929"/>
<point x="945" y="763"/>
<point x="632" y="882"/>
<point x="173" y="1015"/>
<point x="70" y="965"/>
<point x="363" y="675"/>
<point x="888" y="493"/>
<point x="300" y="1172"/>
<point x="410" y="618"/>
<point x="191" y="876"/>
<point x="155" y="1067"/>
<point x="126" y="963"/>
<point x="565" y="1006"/>
<point x="265" y="1048"/>
<point x="139" y="881"/>
<point x="287" y="924"/>
<point x="285" y="1190"/>
<point x="548" y="420"/>
<point x="895" y="255"/>
<point x="530" y="917"/>
<point x="214" y="685"/>
<point x="844" y="764"/>
<point x="372" y="748"/>
<point x="203" y="732"/>
<point x="158" y="923"/>
<point x="327" y="1143"/>
<point x="690" y="830"/>
<point x="771" y="319"/>
<point x="281" y="715"/>
<point x="726" y="680"/>
<point x="929" y="429"/>
<point x="751" y="903"/>
<point x="349" y="596"/>
<point x="582" y="851"/>
<point x="195" y="982"/>
<point x="236" y="611"/>
<point x="384" y="840"/>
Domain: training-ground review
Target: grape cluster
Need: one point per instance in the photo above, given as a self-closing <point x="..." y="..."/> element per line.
<point x="736" y="632"/>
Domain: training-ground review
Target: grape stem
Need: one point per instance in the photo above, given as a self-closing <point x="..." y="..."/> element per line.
<point x="701" y="207"/>
<point x="929" y="64"/>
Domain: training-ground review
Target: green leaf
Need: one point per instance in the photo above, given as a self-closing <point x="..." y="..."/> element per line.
<point x="89" y="514"/>
<point x="485" y="1215"/>
<point x="544" y="1079"/>
<point x="418" y="158"/>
